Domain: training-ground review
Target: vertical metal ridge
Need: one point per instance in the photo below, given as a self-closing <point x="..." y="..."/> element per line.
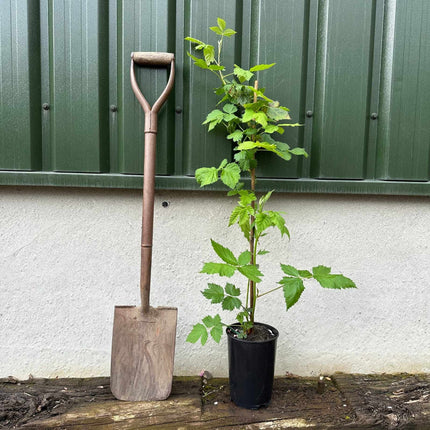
<point x="386" y="89"/>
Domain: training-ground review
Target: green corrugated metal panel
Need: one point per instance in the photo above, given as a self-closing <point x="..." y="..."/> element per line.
<point x="203" y="148"/>
<point x="143" y="26"/>
<point x="404" y="123"/>
<point x="344" y="54"/>
<point x="79" y="85"/>
<point x="20" y="130"/>
<point x="340" y="60"/>
<point x="283" y="38"/>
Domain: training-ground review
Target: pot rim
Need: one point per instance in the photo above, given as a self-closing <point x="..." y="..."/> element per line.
<point x="273" y="329"/>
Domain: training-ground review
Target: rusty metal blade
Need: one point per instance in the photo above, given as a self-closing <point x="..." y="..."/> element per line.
<point x="143" y="350"/>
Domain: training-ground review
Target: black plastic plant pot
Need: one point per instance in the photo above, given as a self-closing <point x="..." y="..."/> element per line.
<point x="251" y="368"/>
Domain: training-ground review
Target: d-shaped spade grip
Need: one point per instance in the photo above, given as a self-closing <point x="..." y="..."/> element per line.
<point x="152" y="59"/>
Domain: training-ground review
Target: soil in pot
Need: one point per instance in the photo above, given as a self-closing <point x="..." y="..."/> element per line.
<point x="252" y="366"/>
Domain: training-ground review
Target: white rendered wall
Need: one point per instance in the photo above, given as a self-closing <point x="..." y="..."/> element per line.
<point x="68" y="256"/>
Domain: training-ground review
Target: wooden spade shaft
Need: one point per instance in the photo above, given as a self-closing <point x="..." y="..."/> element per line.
<point x="151" y="128"/>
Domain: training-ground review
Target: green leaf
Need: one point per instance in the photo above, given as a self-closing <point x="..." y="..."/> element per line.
<point x="243" y="146"/>
<point x="246" y="197"/>
<point x="230" y="175"/>
<point x="321" y="270"/>
<point x="330" y="280"/>
<point x="230" y="117"/>
<point x="236" y="136"/>
<point x="251" y="272"/>
<point x="223" y="164"/>
<point x="216" y="333"/>
<point x="224" y="253"/>
<point x="212" y="321"/>
<point x="244" y="258"/>
<point x="215" y="115"/>
<point x="229" y="32"/>
<point x="263" y="200"/>
<point x="277" y="113"/>
<point x="206" y="175"/>
<point x="214" y="293"/>
<point x="291" y="125"/>
<point x="262" y="222"/>
<point x="232" y="290"/>
<point x="215" y="67"/>
<point x="198" y="332"/>
<point x="216" y="30"/>
<point x="305" y="274"/>
<point x="260" y="67"/>
<point x="290" y="270"/>
<point x="263" y="252"/>
<point x="299" y="151"/>
<point x="271" y="128"/>
<point x="209" y="54"/>
<point x="191" y="39"/>
<point x="293" y="289"/>
<point x="218" y="268"/>
<point x="221" y="24"/>
<point x="242" y="74"/>
<point x="279" y="222"/>
<point x="244" y="159"/>
<point x="229" y="108"/>
<point x="230" y="303"/>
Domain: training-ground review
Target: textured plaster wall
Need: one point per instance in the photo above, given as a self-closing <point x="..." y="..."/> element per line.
<point x="68" y="256"/>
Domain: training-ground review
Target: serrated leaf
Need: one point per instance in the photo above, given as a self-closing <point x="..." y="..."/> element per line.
<point x="212" y="321"/>
<point x="299" y="151"/>
<point x="215" y="67"/>
<point x="198" y="332"/>
<point x="216" y="333"/>
<point x="219" y="269"/>
<point x="216" y="30"/>
<point x="209" y="54"/>
<point x="271" y="128"/>
<point x="244" y="159"/>
<point x="223" y="164"/>
<point x="263" y="200"/>
<point x="229" y="108"/>
<point x="242" y="74"/>
<point x="246" y="197"/>
<point x="224" y="253"/>
<point x="244" y="258"/>
<point x="206" y="175"/>
<point x="232" y="290"/>
<point x="260" y="67"/>
<point x="230" y="175"/>
<point x="293" y="289"/>
<point x="229" y="32"/>
<point x="335" y="281"/>
<point x="290" y="270"/>
<point x="279" y="222"/>
<point x="221" y="23"/>
<point x="193" y="40"/>
<point x="236" y="136"/>
<point x="277" y="113"/>
<point x="230" y="117"/>
<point x="251" y="272"/>
<point x="215" y="115"/>
<point x="215" y="293"/>
<point x="305" y="274"/>
<point x="262" y="222"/>
<point x="321" y="270"/>
<point x="229" y="303"/>
<point x="263" y="252"/>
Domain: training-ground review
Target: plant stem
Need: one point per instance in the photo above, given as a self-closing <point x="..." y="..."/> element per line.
<point x="252" y="286"/>
<point x="267" y="292"/>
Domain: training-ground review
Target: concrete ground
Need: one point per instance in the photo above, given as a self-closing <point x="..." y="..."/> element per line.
<point x="341" y="401"/>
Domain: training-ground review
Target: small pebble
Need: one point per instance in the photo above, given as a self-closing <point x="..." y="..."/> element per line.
<point x="100" y="386"/>
<point x="215" y="403"/>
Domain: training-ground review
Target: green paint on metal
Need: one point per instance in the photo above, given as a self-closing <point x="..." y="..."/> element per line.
<point x="20" y="128"/>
